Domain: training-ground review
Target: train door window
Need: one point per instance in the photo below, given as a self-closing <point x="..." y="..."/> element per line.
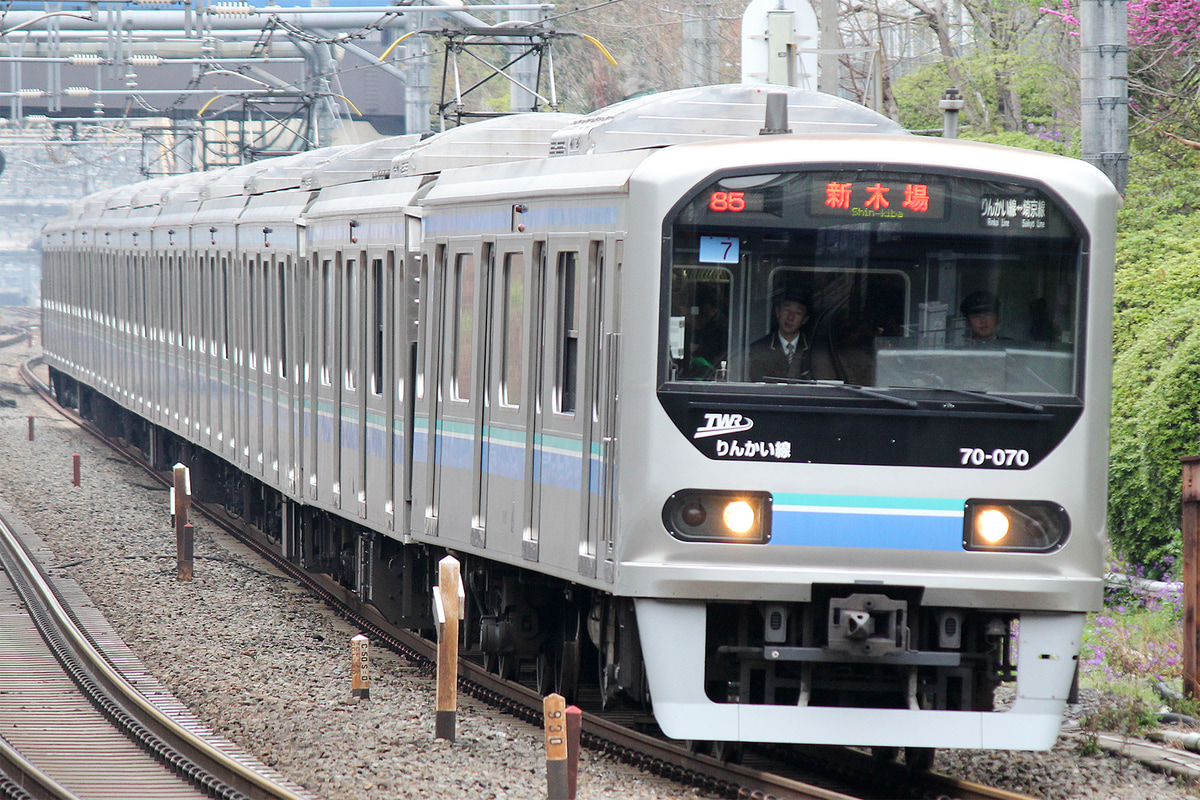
<point x="596" y="304"/>
<point x="513" y="329"/>
<point x="268" y="314"/>
<point x="169" y="301"/>
<point x="425" y="321"/>
<point x="351" y="315"/>
<point x="378" y="301"/>
<point x="252" y="305"/>
<point x="180" y="294"/>
<point x="567" y="362"/>
<point x="223" y="299"/>
<point x="284" y="269"/>
<point x="326" y="333"/>
<point x="464" y="311"/>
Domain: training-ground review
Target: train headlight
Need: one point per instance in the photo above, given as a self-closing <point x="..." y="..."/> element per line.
<point x="1015" y="526"/>
<point x="697" y="515"/>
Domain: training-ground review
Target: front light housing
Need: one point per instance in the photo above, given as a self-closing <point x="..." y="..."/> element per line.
<point x="700" y="515"/>
<point x="1015" y="526"/>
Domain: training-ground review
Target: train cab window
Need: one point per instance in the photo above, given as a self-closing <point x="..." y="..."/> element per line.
<point x="567" y="330"/>
<point x="868" y="278"/>
<point x="464" y="325"/>
<point x="512" y="329"/>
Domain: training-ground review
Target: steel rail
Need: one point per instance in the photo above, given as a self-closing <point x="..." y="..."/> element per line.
<point x="199" y="762"/>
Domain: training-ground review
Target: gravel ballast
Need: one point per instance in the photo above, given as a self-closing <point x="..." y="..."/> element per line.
<point x="267" y="666"/>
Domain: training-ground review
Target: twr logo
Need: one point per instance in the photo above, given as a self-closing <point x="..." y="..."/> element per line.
<point x="720" y="424"/>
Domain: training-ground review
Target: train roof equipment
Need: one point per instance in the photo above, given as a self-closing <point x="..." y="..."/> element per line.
<point x="710" y="112"/>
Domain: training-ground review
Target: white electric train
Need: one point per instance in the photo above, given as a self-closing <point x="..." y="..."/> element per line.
<point x="556" y="346"/>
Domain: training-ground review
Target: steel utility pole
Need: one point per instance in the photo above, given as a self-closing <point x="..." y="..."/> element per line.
<point x="1104" y="87"/>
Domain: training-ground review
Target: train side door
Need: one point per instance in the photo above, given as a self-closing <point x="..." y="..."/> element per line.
<point x="599" y="407"/>
<point x="558" y="452"/>
<point x="501" y="498"/>
<point x="407" y="373"/>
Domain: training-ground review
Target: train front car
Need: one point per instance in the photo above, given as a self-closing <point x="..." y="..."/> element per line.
<point x="859" y="540"/>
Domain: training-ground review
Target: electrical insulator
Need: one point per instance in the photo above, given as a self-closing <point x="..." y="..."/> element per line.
<point x="77" y="91"/>
<point x="145" y="60"/>
<point x="27" y="94"/>
<point x="231" y="9"/>
<point x="85" y="60"/>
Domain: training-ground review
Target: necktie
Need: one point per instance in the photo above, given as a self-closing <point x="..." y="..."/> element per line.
<point x="789" y="350"/>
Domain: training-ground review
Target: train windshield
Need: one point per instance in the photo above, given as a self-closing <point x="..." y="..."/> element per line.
<point x="878" y="279"/>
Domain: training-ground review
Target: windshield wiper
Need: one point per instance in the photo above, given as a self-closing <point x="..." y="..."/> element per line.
<point x="891" y="398"/>
<point x="994" y="398"/>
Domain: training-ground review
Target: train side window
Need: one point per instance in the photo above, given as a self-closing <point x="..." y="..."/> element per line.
<point x="464" y="324"/>
<point x="567" y="363"/>
<point x="513" y="329"/>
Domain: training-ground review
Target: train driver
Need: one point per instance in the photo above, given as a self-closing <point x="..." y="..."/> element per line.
<point x="982" y="312"/>
<point x="784" y="352"/>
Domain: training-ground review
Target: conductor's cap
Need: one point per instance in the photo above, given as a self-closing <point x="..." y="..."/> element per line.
<point x="981" y="302"/>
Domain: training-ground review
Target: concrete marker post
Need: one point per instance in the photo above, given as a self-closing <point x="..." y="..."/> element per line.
<point x="449" y="607"/>
<point x="555" y="720"/>
<point x="360" y="667"/>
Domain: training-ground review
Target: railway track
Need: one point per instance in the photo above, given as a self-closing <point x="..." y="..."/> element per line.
<point x="69" y="703"/>
<point x="820" y="773"/>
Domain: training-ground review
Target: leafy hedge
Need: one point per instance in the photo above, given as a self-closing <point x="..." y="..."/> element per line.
<point x="1156" y="347"/>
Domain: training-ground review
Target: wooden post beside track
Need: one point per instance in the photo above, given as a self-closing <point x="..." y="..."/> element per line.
<point x="360" y="667"/>
<point x="555" y="720"/>
<point x="449" y="602"/>
<point x="181" y="501"/>
<point x="75" y="469"/>
<point x="574" y="731"/>
<point x="31" y="427"/>
<point x="1191" y="579"/>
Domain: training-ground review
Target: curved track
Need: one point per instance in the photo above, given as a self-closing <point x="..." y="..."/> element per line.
<point x="66" y="708"/>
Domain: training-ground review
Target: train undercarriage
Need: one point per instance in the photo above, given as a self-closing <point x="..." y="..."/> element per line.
<point x="547" y="633"/>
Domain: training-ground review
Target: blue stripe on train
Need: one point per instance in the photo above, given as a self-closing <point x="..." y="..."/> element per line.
<point x="886" y="523"/>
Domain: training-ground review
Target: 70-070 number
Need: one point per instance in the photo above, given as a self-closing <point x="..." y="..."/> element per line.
<point x="977" y="457"/>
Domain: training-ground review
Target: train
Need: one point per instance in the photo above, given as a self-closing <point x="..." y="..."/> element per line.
<point x="740" y="405"/>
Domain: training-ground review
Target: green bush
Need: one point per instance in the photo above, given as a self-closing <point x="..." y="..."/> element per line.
<point x="1156" y="346"/>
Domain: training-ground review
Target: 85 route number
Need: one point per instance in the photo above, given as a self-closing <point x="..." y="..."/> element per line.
<point x="978" y="457"/>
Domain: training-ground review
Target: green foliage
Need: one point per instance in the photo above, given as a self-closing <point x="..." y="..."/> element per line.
<point x="1156" y="372"/>
<point x="1017" y="139"/>
<point x="1124" y="716"/>
<point x="917" y="95"/>
<point x="1042" y="87"/>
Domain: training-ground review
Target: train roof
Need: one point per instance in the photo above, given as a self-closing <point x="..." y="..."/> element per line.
<point x="517" y="137"/>
<point x="361" y="162"/>
<point x="704" y="113"/>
